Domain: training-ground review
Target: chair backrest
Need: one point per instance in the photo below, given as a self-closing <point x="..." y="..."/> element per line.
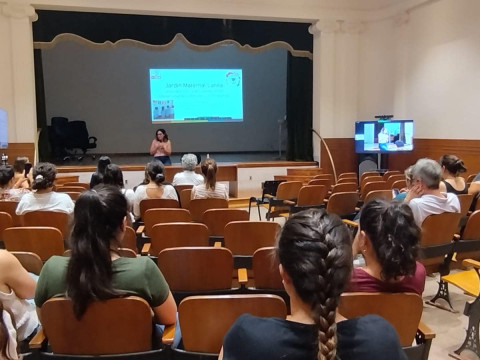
<point x="389" y="173"/>
<point x="311" y="195"/>
<point x="379" y="194"/>
<point x="204" y="320"/>
<point x="65" y="188"/>
<point x="269" y="187"/>
<point x="179" y="188"/>
<point x="342" y="203"/>
<point x="43" y="241"/>
<point x="126" y="252"/>
<point x="387" y="305"/>
<point x="185" y="198"/>
<point x="323" y="177"/>
<point x="30" y="261"/>
<point x="105" y="328"/>
<point x="471" y="233"/>
<point x="344" y="187"/>
<point x="5" y="222"/>
<point x="216" y="219"/>
<point x="371" y="186"/>
<point x="368" y="179"/>
<point x="348" y="180"/>
<point x="86" y="186"/>
<point x="244" y="237"/>
<point x="129" y="240"/>
<point x="180" y="234"/>
<point x="198" y="206"/>
<point x="392" y="179"/>
<point x="325" y="182"/>
<point x="368" y="173"/>
<point x="348" y="175"/>
<point x="399" y="184"/>
<point x="465" y="203"/>
<point x="470" y="178"/>
<point x="147" y="204"/>
<point x="73" y="195"/>
<point x="167" y="215"/>
<point x="288" y="190"/>
<point x="266" y="274"/>
<point x="10" y="207"/>
<point x="203" y="268"/>
<point x="56" y="219"/>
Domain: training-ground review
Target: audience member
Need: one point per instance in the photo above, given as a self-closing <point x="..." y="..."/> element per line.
<point x="425" y="197"/>
<point x="155" y="189"/>
<point x="408" y="179"/>
<point x="315" y="254"/>
<point x="188" y="176"/>
<point x="16" y="285"/>
<point x="211" y="188"/>
<point x="95" y="270"/>
<point x="44" y="198"/>
<point x="97" y="176"/>
<point x="9" y="190"/>
<point x="452" y="182"/>
<point x="114" y="176"/>
<point x="19" y="168"/>
<point x="388" y="240"/>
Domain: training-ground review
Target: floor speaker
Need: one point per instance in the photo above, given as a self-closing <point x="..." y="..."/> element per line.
<point x="367" y="162"/>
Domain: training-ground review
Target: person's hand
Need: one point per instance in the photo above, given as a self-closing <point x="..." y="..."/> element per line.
<point x="415" y="192"/>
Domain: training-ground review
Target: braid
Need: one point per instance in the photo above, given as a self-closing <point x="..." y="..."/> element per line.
<point x="315" y="250"/>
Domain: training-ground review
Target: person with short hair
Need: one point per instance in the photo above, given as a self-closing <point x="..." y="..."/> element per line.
<point x="315" y="255"/>
<point x="155" y="189"/>
<point x="425" y="197"/>
<point x="388" y="240"/>
<point x="211" y="188"/>
<point x="188" y="176"/>
<point x="95" y="270"/>
<point x="44" y="198"/>
<point x="9" y="189"/>
<point x="452" y="182"/>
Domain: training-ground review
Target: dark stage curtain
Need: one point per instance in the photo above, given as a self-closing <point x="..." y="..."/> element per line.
<point x="299" y="108"/>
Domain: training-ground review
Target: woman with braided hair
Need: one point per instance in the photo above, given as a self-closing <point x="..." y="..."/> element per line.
<point x="388" y="240"/>
<point x="315" y="255"/>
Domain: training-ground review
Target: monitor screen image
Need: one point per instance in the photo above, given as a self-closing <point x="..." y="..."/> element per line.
<point x="383" y="136"/>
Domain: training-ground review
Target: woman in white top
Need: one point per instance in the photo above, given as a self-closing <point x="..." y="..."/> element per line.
<point x="188" y="176"/>
<point x="44" y="198"/>
<point x="155" y="188"/>
<point x="210" y="189"/>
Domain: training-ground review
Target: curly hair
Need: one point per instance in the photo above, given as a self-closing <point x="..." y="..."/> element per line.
<point x="453" y="164"/>
<point x="394" y="235"/>
<point x="43" y="176"/>
<point x="315" y="250"/>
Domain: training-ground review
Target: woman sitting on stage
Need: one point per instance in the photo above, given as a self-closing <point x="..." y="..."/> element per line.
<point x="155" y="188"/>
<point x="315" y="255"/>
<point x="210" y="189"/>
<point x="388" y="240"/>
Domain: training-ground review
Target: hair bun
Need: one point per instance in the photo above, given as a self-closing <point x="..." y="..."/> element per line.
<point x="159" y="177"/>
<point x="39" y="177"/>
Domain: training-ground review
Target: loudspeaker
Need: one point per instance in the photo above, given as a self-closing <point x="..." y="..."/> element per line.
<point x="367" y="162"/>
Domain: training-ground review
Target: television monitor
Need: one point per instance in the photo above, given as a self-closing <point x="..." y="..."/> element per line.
<point x="383" y="136"/>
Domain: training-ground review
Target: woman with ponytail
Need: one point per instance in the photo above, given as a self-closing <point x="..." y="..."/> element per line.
<point x="95" y="270"/>
<point x="211" y="188"/>
<point x="315" y="255"/>
<point x="44" y="198"/>
<point x="388" y="239"/>
<point x="154" y="189"/>
<point x="452" y="182"/>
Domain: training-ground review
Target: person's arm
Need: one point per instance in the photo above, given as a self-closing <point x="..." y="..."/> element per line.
<point x="220" y="356"/>
<point x="442" y="187"/>
<point x="168" y="148"/>
<point x="474" y="188"/>
<point x="153" y="147"/>
<point x="16" y="277"/>
<point x="166" y="313"/>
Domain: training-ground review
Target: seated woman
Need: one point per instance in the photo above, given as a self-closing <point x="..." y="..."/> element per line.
<point x="315" y="255"/>
<point x="19" y="168"/>
<point x="97" y="176"/>
<point x="210" y="189"/>
<point x="388" y="240"/>
<point x="9" y="189"/>
<point x="155" y="189"/>
<point x="452" y="182"/>
<point x="44" y="198"/>
<point x="188" y="176"/>
<point x="16" y="286"/>
<point x="114" y="176"/>
<point x="95" y="270"/>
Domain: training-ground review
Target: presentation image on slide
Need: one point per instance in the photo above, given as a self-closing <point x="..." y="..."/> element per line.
<point x="3" y="129"/>
<point x="384" y="136"/>
<point x="196" y="95"/>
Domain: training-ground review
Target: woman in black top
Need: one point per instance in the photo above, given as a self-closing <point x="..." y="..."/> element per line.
<point x="452" y="182"/>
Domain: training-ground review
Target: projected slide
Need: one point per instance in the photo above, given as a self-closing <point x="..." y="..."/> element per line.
<point x="196" y="95"/>
<point x="3" y="129"/>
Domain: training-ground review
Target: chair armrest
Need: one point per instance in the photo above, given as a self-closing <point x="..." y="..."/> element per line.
<point x="289" y="202"/>
<point x="217" y="244"/>
<point x="146" y="249"/>
<point x="37" y="341"/>
<point x="456" y="237"/>
<point x="242" y="276"/>
<point x="350" y="223"/>
<point x="471" y="262"/>
<point x="268" y="196"/>
<point x="140" y="229"/>
<point x="425" y="331"/>
<point x="168" y="334"/>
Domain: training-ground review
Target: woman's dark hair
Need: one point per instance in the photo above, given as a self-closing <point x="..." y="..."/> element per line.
<point x="113" y="176"/>
<point x="165" y="136"/>
<point x="156" y="171"/>
<point x="19" y="164"/>
<point x="453" y="164"/>
<point x="97" y="219"/>
<point x="43" y="176"/>
<point x="6" y="174"/>
<point x="103" y="162"/>
<point x="315" y="250"/>
<point x="209" y="170"/>
<point x="394" y="235"/>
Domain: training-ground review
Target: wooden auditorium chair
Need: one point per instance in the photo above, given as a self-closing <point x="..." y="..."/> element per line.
<point x="310" y="196"/>
<point x="156" y="216"/>
<point x="217" y="219"/>
<point x="399" y="184"/>
<point x="185" y="196"/>
<point x="287" y="190"/>
<point x="129" y="240"/>
<point x="9" y="207"/>
<point x="390" y="173"/>
<point x="204" y="320"/>
<point x="348" y="175"/>
<point x="65" y="188"/>
<point x="343" y="204"/>
<point x="147" y="204"/>
<point x="368" y="179"/>
<point x="29" y="260"/>
<point x="86" y="186"/>
<point x="56" y="219"/>
<point x="269" y="189"/>
<point x="392" y="179"/>
<point x="198" y="206"/>
<point x="379" y="194"/>
<point x="344" y="187"/>
<point x="5" y="222"/>
<point x="371" y="186"/>
<point x="325" y="182"/>
<point x="368" y="173"/>
<point x="347" y="180"/>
